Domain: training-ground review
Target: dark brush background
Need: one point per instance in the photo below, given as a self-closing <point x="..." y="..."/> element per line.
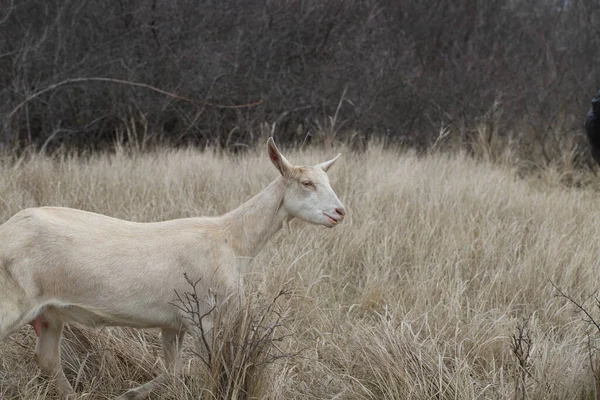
<point x="400" y="69"/>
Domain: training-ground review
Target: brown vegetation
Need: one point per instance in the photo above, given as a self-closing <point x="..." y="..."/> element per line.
<point x="439" y="284"/>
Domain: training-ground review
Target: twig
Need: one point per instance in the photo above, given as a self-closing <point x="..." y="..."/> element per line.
<point x="189" y="303"/>
<point x="579" y="306"/>
<point x="591" y="351"/>
<point x="521" y="347"/>
<point x="10" y="10"/>
<point x="590" y="321"/>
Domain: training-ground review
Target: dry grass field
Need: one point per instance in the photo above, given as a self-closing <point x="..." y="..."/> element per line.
<point x="417" y="295"/>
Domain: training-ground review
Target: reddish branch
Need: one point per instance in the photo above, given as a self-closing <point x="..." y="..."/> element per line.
<point x="123" y="82"/>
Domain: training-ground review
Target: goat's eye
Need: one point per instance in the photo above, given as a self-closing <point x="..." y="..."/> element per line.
<point x="308" y="184"/>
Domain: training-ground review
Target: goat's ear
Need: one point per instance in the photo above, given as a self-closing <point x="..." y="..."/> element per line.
<point x="325" y="166"/>
<point x="283" y="165"/>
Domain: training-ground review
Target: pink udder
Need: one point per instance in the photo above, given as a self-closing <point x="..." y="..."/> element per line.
<point x="39" y="323"/>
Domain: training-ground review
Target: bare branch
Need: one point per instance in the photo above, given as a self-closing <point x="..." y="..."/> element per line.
<point x="9" y="10"/>
<point x="590" y="319"/>
<point x="129" y="83"/>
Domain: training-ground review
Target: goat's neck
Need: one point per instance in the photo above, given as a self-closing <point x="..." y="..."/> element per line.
<point x="252" y="224"/>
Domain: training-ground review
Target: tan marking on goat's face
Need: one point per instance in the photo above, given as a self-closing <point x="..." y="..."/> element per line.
<point x="309" y="174"/>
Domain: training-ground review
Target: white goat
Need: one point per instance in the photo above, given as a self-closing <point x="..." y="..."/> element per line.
<point x="61" y="265"/>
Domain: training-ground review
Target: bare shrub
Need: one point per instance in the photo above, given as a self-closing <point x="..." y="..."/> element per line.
<point x="521" y="345"/>
<point x="398" y="70"/>
<point x="592" y="319"/>
<point x="243" y="341"/>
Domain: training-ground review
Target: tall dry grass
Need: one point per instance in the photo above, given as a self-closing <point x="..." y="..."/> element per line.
<point x="417" y="295"/>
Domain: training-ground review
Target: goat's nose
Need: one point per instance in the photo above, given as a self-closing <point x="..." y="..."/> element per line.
<point x="341" y="211"/>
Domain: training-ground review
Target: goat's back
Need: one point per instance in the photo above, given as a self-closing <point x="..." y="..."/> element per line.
<point x="106" y="269"/>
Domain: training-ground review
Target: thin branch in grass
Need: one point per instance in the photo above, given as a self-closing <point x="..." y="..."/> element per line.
<point x="243" y="341"/>
<point x="580" y="306"/>
<point x="521" y="345"/>
<point x="591" y="321"/>
<point x="189" y="303"/>
<point x="593" y="365"/>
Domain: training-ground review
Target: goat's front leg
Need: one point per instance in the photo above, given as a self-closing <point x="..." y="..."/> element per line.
<point x="172" y="343"/>
<point x="47" y="353"/>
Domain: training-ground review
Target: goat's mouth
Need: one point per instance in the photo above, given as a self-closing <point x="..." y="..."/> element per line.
<point x="332" y="221"/>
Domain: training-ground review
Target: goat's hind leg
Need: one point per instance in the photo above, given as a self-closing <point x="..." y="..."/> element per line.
<point x="47" y="355"/>
<point x="172" y="342"/>
<point x="15" y="312"/>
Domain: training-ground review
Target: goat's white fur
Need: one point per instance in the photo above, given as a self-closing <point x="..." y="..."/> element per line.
<point x="66" y="265"/>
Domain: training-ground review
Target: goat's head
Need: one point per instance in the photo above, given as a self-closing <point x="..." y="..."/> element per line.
<point x="308" y="194"/>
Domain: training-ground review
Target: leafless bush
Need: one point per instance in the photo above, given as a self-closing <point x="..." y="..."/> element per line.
<point x="401" y="69"/>
<point x="593" y="332"/>
<point x="243" y="341"/>
<point x="521" y="346"/>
